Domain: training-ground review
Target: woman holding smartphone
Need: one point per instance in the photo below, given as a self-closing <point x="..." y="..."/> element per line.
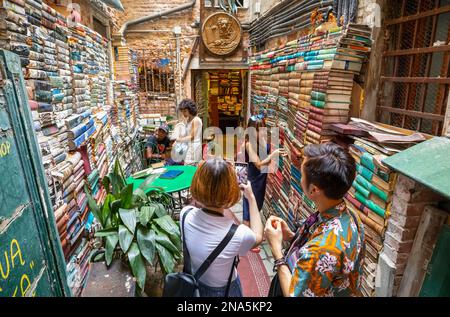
<point x="215" y="188"/>
<point x="257" y="165"/>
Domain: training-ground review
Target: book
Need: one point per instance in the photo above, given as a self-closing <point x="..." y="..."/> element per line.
<point x="346" y="65"/>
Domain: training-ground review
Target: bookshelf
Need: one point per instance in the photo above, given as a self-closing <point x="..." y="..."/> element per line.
<point x="225" y="97"/>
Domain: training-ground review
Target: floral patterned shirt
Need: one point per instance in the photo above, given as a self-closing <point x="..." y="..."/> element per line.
<point x="330" y="262"/>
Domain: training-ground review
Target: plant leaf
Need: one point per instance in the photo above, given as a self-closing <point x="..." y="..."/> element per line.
<point x="106" y="211"/>
<point x="106" y="232"/>
<point x="146" y="242"/>
<point x="139" y="193"/>
<point x="111" y="242"/>
<point x="166" y="259"/>
<point x="146" y="214"/>
<point x="106" y="182"/>
<point x="125" y="238"/>
<point x="94" y="207"/>
<point x="167" y="224"/>
<point x="126" y="195"/>
<point x="115" y="206"/>
<point x="164" y="240"/>
<point x="137" y="264"/>
<point x="160" y="210"/>
<point x="128" y="217"/>
<point x="171" y="228"/>
<point x="146" y="185"/>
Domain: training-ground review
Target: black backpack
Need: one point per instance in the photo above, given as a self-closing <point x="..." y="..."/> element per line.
<point x="185" y="284"/>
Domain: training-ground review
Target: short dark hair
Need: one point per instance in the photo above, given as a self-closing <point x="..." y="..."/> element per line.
<point x="330" y="167"/>
<point x="188" y="104"/>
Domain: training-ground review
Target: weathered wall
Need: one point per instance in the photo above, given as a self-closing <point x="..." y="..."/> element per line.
<point x="371" y="12"/>
<point x="409" y="202"/>
<point x="160" y="41"/>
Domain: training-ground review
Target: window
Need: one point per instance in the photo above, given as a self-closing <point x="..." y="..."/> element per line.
<point x="241" y="4"/>
<point x="415" y="76"/>
<point x="157" y="76"/>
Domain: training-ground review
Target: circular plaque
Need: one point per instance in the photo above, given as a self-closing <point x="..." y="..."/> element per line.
<point x="221" y="33"/>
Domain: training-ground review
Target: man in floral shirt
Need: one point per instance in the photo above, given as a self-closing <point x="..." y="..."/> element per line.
<point x="326" y="253"/>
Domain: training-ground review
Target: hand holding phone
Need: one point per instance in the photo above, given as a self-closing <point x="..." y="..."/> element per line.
<point x="241" y="173"/>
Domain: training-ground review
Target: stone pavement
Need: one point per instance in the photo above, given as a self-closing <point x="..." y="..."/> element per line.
<point x="265" y="253"/>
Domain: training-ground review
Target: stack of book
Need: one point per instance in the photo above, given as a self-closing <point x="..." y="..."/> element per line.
<point x="123" y="65"/>
<point x="370" y="197"/>
<point x="371" y="194"/>
<point x="305" y="86"/>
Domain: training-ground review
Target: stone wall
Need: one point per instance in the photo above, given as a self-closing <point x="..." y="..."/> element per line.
<point x="409" y="201"/>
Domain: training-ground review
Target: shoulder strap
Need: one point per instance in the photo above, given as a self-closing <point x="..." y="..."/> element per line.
<point x="186" y="256"/>
<point x="235" y="264"/>
<point x="216" y="252"/>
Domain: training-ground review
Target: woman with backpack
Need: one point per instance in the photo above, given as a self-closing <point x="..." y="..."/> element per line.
<point x="215" y="187"/>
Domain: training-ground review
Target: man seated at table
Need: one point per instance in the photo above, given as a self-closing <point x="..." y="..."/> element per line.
<point x="157" y="145"/>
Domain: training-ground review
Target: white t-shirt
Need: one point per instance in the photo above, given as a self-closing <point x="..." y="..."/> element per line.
<point x="203" y="233"/>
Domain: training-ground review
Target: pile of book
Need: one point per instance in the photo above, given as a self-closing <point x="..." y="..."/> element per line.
<point x="309" y="83"/>
<point x="370" y="197"/>
<point x="123" y="66"/>
<point x="371" y="194"/>
<point x="66" y="71"/>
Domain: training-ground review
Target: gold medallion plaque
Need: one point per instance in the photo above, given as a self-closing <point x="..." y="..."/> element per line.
<point x="221" y="33"/>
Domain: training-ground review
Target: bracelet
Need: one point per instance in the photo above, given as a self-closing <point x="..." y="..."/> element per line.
<point x="279" y="263"/>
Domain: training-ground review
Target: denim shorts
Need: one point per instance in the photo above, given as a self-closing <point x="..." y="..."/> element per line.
<point x="208" y="291"/>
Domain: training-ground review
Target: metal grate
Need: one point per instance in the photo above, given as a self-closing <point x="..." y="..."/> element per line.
<point x="415" y="80"/>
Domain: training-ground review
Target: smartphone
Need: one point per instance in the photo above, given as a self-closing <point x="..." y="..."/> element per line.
<point x="241" y="173"/>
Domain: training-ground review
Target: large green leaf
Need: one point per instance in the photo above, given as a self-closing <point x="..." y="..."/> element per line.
<point x="118" y="170"/>
<point x="167" y="224"/>
<point x="111" y="242"/>
<point x="166" y="259"/>
<point x="146" y="242"/>
<point x="106" y="211"/>
<point x="125" y="238"/>
<point x="176" y="240"/>
<point x="117" y="184"/>
<point x="128" y="217"/>
<point x="165" y="241"/>
<point x="106" y="232"/>
<point x="146" y="184"/>
<point x="161" y="210"/>
<point x="139" y="194"/>
<point x="106" y="182"/>
<point x="146" y="214"/>
<point x="94" y="207"/>
<point x="115" y="206"/>
<point x="137" y="264"/>
<point x="126" y="195"/>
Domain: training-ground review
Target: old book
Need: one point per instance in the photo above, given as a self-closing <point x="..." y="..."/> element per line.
<point x="346" y="65"/>
<point x="348" y="129"/>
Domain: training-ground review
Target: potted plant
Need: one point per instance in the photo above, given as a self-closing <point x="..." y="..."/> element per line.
<point x="137" y="225"/>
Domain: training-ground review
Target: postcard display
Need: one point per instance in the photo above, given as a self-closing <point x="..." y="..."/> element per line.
<point x="66" y="68"/>
<point x="303" y="88"/>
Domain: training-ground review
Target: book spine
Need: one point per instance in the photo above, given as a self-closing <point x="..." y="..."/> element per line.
<point x="372" y="188"/>
<point x="318" y="104"/>
<point x="372" y="206"/>
<point x="318" y="96"/>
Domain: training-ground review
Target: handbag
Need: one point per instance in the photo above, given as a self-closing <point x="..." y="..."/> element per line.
<point x="299" y="240"/>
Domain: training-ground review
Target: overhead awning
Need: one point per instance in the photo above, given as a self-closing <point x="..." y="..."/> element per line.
<point x="116" y="4"/>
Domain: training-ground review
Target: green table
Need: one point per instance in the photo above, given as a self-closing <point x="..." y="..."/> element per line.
<point x="170" y="186"/>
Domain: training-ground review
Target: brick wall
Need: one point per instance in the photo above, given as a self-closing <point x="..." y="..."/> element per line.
<point x="409" y="201"/>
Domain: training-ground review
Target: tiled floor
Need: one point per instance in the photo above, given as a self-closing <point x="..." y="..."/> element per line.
<point x="265" y="253"/>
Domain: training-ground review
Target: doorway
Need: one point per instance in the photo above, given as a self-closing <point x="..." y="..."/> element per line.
<point x="223" y="94"/>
